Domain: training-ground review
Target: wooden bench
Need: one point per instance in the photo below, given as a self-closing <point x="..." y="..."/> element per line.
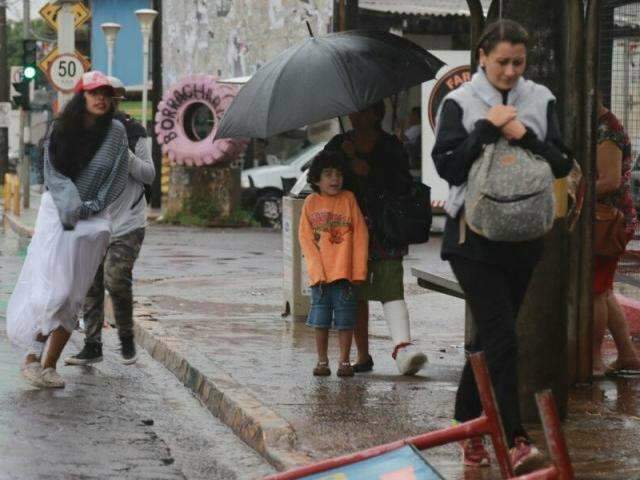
<point x="441" y="284"/>
<point x="437" y="283"/>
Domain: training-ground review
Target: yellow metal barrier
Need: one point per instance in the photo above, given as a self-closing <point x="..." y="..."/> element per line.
<point x="11" y="193"/>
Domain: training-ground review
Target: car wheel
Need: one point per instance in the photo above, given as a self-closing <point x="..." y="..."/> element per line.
<point x="269" y="211"/>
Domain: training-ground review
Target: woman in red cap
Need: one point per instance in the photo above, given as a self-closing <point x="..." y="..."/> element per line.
<point x="86" y="168"/>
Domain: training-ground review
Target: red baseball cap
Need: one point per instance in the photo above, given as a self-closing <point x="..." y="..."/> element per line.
<point x="91" y="81"/>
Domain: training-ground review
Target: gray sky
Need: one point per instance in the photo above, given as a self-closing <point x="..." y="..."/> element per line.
<point x="14" y="8"/>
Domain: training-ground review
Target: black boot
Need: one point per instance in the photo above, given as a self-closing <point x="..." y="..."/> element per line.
<point x="90" y="353"/>
<point x="128" y="349"/>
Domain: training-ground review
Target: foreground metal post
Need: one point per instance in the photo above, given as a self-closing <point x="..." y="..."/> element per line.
<point x="490" y="407"/>
<point x="553" y="434"/>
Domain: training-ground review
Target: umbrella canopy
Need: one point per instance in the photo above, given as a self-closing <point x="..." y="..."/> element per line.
<point x="326" y="77"/>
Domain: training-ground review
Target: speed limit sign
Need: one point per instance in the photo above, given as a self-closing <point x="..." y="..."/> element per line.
<point x="64" y="72"/>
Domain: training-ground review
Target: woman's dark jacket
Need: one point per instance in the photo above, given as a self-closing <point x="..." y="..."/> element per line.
<point x="388" y="175"/>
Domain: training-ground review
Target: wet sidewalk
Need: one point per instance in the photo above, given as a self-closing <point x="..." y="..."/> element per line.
<point x="209" y="308"/>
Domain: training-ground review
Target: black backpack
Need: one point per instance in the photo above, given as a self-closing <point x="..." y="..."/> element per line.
<point x="135" y="131"/>
<point x="406" y="219"/>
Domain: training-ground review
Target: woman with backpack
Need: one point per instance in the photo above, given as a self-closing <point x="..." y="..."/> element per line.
<point x="498" y="103"/>
<point x="86" y="165"/>
<point x="378" y="165"/>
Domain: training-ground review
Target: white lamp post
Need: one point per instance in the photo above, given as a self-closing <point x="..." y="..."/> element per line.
<point x="110" y="31"/>
<point x="146" y="16"/>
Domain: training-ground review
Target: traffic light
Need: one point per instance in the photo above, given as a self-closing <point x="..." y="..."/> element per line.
<point x="29" y="59"/>
<point x="21" y="100"/>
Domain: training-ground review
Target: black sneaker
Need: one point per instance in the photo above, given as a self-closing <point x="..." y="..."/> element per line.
<point x="90" y="353"/>
<point x="128" y="349"/>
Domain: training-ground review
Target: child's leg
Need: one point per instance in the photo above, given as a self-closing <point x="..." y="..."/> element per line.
<point x="344" y="339"/>
<point x="322" y="343"/>
<point x="58" y="341"/>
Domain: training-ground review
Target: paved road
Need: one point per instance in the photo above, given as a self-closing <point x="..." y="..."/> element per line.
<point x="112" y="421"/>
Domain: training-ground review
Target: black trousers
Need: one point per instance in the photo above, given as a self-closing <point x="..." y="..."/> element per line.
<point x="494" y="294"/>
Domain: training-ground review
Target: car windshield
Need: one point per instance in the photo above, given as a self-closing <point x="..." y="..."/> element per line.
<point x="307" y="154"/>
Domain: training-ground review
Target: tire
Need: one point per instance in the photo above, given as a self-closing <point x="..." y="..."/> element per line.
<point x="269" y="210"/>
<point x="171" y="115"/>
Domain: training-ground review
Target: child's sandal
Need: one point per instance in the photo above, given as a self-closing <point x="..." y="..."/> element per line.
<point x="322" y="369"/>
<point x="345" y="369"/>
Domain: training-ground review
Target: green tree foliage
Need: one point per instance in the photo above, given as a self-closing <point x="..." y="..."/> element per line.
<point x="14" y="38"/>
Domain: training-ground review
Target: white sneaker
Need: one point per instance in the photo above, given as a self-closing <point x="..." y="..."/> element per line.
<point x="50" y="378"/>
<point x="32" y="372"/>
<point x="409" y="359"/>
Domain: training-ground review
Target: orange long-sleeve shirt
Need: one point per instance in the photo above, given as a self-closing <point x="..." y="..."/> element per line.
<point x="334" y="238"/>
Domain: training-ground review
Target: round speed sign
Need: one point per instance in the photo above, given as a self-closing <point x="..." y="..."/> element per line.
<point x="64" y="72"/>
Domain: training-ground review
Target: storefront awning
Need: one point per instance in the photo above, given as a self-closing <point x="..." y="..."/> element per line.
<point x="421" y="7"/>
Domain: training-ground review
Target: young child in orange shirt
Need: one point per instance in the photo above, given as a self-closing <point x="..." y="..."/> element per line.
<point x="335" y="242"/>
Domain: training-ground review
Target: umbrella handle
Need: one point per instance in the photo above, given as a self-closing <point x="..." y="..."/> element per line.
<point x="311" y="35"/>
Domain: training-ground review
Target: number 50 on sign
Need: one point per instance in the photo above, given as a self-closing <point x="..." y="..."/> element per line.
<point x="64" y="72"/>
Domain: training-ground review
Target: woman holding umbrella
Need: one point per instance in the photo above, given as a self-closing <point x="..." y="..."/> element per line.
<point x="378" y="166"/>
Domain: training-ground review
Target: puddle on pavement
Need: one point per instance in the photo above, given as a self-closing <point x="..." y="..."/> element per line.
<point x="609" y="396"/>
<point x="12" y="245"/>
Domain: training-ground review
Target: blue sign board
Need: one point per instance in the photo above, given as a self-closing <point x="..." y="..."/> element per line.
<point x="405" y="463"/>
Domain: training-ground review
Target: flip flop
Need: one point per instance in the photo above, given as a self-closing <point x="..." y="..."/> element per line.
<point x="623" y="372"/>
<point x="614" y="371"/>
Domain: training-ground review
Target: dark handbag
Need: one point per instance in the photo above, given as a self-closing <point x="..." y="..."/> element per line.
<point x="609" y="236"/>
<point x="406" y="219"/>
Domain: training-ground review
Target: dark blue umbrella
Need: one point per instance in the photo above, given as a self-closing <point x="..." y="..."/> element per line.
<point x="326" y="77"/>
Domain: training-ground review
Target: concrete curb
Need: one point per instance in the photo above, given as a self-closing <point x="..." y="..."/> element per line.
<point x="257" y="425"/>
<point x="18" y="227"/>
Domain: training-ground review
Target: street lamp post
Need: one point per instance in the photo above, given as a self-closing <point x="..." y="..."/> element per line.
<point x="110" y="31"/>
<point x="146" y="16"/>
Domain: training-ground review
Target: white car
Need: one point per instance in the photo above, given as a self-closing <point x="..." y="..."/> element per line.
<point x="267" y="184"/>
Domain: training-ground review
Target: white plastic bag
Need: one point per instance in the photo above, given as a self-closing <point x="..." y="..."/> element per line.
<point x="59" y="269"/>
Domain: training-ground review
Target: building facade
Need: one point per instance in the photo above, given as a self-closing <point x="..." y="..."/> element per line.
<point x="233" y="38"/>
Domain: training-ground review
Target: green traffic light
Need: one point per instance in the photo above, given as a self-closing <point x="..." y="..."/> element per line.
<point x="29" y="73"/>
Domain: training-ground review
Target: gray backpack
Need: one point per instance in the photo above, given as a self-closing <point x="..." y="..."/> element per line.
<point x="509" y="195"/>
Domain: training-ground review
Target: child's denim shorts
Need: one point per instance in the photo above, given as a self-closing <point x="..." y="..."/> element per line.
<point x="333" y="303"/>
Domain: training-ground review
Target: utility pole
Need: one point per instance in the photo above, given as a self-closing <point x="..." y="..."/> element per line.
<point x="25" y="123"/>
<point x="4" y="90"/>
<point x="156" y="97"/>
<point x="554" y="324"/>
<point x="345" y="15"/>
<point x="66" y="38"/>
